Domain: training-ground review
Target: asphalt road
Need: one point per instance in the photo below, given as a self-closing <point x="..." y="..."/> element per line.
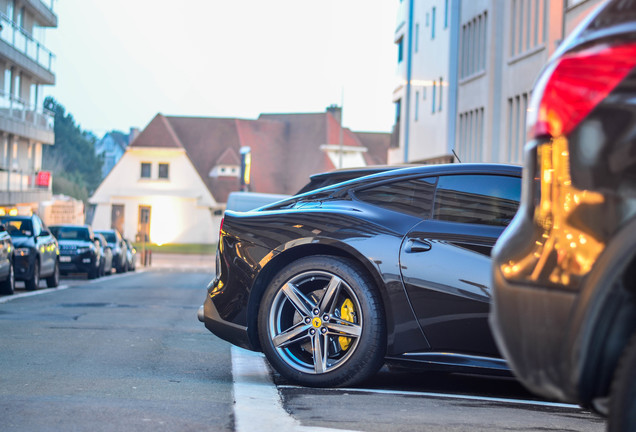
<point x="126" y="352"/>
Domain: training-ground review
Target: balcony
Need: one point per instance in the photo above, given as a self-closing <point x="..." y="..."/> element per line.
<point x="41" y="61"/>
<point x="19" y="187"/>
<point x="18" y="118"/>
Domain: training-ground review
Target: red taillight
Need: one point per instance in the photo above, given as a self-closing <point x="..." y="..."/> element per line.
<point x="221" y="227"/>
<point x="577" y="84"/>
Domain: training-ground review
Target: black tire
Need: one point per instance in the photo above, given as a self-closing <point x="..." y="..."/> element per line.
<point x="54" y="280"/>
<point x="93" y="273"/>
<point x="119" y="268"/>
<point x="295" y="325"/>
<point x="33" y="283"/>
<point x="622" y="413"/>
<point x="7" y="287"/>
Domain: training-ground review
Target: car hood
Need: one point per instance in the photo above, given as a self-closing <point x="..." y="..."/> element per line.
<point x="23" y="242"/>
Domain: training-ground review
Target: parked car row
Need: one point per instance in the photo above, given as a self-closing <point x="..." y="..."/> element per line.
<point x="29" y="252"/>
<point x="396" y="267"/>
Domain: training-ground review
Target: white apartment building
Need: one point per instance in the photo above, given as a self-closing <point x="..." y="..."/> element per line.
<point x="465" y="81"/>
<point x="26" y="66"/>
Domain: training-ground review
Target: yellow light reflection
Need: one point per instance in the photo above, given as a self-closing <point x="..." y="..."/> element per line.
<point x="567" y="251"/>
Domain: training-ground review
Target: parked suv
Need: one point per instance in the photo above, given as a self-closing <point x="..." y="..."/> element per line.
<point x="117" y="245"/>
<point x="36" y="251"/>
<point x="564" y="304"/>
<point x="80" y="251"/>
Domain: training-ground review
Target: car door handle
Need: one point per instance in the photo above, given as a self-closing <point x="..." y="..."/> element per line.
<point x="417" y="245"/>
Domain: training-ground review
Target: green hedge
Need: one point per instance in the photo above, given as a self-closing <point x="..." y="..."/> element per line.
<point x="179" y="248"/>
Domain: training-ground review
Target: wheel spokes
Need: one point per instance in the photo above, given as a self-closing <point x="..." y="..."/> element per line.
<point x="319" y="343"/>
<point x="293" y="334"/>
<point x="327" y="303"/>
<point x="344" y="328"/>
<point x="302" y="304"/>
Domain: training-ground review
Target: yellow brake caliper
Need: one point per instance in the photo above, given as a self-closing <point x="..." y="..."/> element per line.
<point x="346" y="313"/>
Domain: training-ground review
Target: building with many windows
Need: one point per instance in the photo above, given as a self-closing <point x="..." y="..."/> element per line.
<point x="466" y="71"/>
<point x="27" y="65"/>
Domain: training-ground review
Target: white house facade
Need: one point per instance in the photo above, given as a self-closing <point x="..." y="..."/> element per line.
<point x="156" y="191"/>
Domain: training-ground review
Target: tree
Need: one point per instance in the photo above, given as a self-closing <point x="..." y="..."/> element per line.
<point x="72" y="160"/>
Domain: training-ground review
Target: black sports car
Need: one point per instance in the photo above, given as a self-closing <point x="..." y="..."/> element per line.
<point x="390" y="267"/>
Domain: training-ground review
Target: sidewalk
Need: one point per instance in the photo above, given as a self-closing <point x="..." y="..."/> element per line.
<point x="180" y="261"/>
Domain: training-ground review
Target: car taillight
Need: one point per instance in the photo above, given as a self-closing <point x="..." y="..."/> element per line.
<point x="221" y="227"/>
<point x="577" y="83"/>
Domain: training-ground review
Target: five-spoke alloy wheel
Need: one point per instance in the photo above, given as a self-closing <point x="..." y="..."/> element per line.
<point x="321" y="323"/>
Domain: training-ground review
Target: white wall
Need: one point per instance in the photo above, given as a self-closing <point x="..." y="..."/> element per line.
<point x="181" y="206"/>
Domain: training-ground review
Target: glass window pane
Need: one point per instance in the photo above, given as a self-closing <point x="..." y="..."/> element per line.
<point x="145" y="170"/>
<point x="413" y="197"/>
<point x="477" y="199"/>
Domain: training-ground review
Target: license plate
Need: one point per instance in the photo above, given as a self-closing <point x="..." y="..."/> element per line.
<point x="65" y="258"/>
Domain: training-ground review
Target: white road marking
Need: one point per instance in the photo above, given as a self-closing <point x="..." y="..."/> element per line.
<point x="31" y="293"/>
<point x="257" y="404"/>
<point x="451" y="396"/>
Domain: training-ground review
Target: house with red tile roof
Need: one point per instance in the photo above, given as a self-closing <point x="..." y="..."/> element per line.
<point x="174" y="179"/>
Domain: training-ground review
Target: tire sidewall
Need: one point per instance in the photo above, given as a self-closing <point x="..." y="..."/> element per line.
<point x="369" y="352"/>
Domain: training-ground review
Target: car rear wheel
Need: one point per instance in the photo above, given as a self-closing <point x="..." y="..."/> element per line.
<point x="54" y="280"/>
<point x="321" y="323"/>
<point x="7" y="287"/>
<point x="33" y="283"/>
<point x="622" y="414"/>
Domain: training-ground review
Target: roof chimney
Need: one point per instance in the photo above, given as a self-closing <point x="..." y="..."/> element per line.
<point x="336" y="112"/>
<point x="134" y="133"/>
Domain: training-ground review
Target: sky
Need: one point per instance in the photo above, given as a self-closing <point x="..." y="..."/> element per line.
<point x="120" y="62"/>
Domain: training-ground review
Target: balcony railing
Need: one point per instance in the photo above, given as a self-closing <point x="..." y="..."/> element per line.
<point x="17" y="109"/>
<point x="24" y="42"/>
<point x="20" y="181"/>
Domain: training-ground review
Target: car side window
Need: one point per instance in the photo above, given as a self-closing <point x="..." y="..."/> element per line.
<point x="477" y="199"/>
<point x="414" y="196"/>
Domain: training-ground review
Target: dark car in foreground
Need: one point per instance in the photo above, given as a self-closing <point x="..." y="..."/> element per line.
<point x="7" y="276"/>
<point x="36" y="251"/>
<point x="564" y="309"/>
<point x="118" y="248"/>
<point x="80" y="250"/>
<point x="390" y="267"/>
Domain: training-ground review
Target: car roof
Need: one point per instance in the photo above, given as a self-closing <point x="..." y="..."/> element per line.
<point x="341" y="189"/>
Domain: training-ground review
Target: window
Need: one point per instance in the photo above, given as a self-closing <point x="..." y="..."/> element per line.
<point x="473" y="46"/>
<point x="400" y="44"/>
<point x="434" y="90"/>
<point x="477" y="199"/>
<point x="417" y="105"/>
<point x="417" y="37"/>
<point x="164" y="170"/>
<point x="433" y="24"/>
<point x="529" y="25"/>
<point x="445" y="13"/>
<point x="441" y="86"/>
<point x="413" y="196"/>
<point x="517" y="112"/>
<point x="471" y="135"/>
<point x="145" y="169"/>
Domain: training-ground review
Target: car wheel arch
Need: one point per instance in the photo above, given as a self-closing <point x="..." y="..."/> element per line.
<point x="596" y="341"/>
<point x="287" y="257"/>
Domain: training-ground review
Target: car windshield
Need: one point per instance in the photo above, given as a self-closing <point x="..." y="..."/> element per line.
<point x="70" y="233"/>
<point x="109" y="236"/>
<point x="18" y="227"/>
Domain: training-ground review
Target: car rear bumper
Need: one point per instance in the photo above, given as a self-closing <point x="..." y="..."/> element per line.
<point x="76" y="264"/>
<point x="233" y="333"/>
<point x="535" y="317"/>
